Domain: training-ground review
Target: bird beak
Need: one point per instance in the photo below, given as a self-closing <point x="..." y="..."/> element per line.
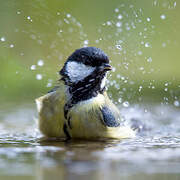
<point x="107" y="67"/>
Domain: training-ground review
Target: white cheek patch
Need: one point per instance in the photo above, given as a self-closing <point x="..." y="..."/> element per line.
<point x="103" y="82"/>
<point x="78" y="71"/>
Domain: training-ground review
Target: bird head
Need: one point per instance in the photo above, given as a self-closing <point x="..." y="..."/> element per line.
<point x="84" y="73"/>
<point x="88" y="64"/>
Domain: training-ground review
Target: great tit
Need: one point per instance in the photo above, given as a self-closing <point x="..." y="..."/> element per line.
<point x="79" y="107"/>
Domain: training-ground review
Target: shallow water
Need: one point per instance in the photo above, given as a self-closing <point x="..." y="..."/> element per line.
<point x="153" y="154"/>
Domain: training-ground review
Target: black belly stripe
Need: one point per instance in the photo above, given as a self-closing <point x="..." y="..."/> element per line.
<point x="69" y="122"/>
<point x="80" y="91"/>
<point x="65" y="129"/>
<point x="67" y="107"/>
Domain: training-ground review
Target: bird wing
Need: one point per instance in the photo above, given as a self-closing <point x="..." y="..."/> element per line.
<point x="114" y="122"/>
<point x="108" y="117"/>
<point x="51" y="112"/>
<point x="110" y="113"/>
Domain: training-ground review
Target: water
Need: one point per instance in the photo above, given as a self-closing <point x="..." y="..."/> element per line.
<point x="142" y="40"/>
<point x="153" y="154"/>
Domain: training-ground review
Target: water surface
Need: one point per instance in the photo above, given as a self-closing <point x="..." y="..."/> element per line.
<point x="153" y="154"/>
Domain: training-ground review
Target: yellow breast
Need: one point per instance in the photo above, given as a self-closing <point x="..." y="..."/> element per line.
<point x="51" y="112"/>
<point x="86" y="121"/>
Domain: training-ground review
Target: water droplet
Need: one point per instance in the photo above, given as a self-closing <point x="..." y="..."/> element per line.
<point x="68" y="15"/>
<point x="176" y="103"/>
<point x="140" y="53"/>
<point x="148" y="19"/>
<point x="79" y="24"/>
<point x="49" y="84"/>
<point x="3" y="39"/>
<point x="166" y="89"/>
<point x="113" y="69"/>
<point x="118" y="76"/>
<point x="120" y="16"/>
<point x="163" y="16"/>
<point x="117" y="86"/>
<point x="116" y="10"/>
<point x="166" y="84"/>
<point x="120" y="100"/>
<point x="175" y="4"/>
<point x="33" y="36"/>
<point x="33" y="67"/>
<point x="18" y="12"/>
<point x="131" y="6"/>
<point x="125" y="104"/>
<point x="149" y="59"/>
<point x="163" y="44"/>
<point x="11" y="45"/>
<point x="128" y="28"/>
<point x="119" y="24"/>
<point x="29" y="18"/>
<point x="109" y="23"/>
<point x="86" y="42"/>
<point x="140" y="88"/>
<point x="120" y="41"/>
<point x="96" y="41"/>
<point x="40" y="62"/>
<point x="147" y="44"/>
<point x="66" y="21"/>
<point x="155" y="3"/>
<point x="38" y="76"/>
<point x="118" y="46"/>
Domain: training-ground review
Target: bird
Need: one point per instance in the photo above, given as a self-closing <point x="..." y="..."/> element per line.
<point x="78" y="107"/>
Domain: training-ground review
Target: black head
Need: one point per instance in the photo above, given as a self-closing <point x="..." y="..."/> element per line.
<point x="85" y="73"/>
<point x="90" y="57"/>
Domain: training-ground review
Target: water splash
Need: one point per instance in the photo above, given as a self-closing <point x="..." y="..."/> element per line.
<point x="3" y="39"/>
<point x="33" y="67"/>
<point x="39" y="76"/>
<point x="163" y="16"/>
<point x="40" y="62"/>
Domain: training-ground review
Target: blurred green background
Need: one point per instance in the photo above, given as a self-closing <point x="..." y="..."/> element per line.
<point x="140" y="37"/>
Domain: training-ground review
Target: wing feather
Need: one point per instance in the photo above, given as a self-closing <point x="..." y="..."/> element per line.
<point x="50" y="111"/>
